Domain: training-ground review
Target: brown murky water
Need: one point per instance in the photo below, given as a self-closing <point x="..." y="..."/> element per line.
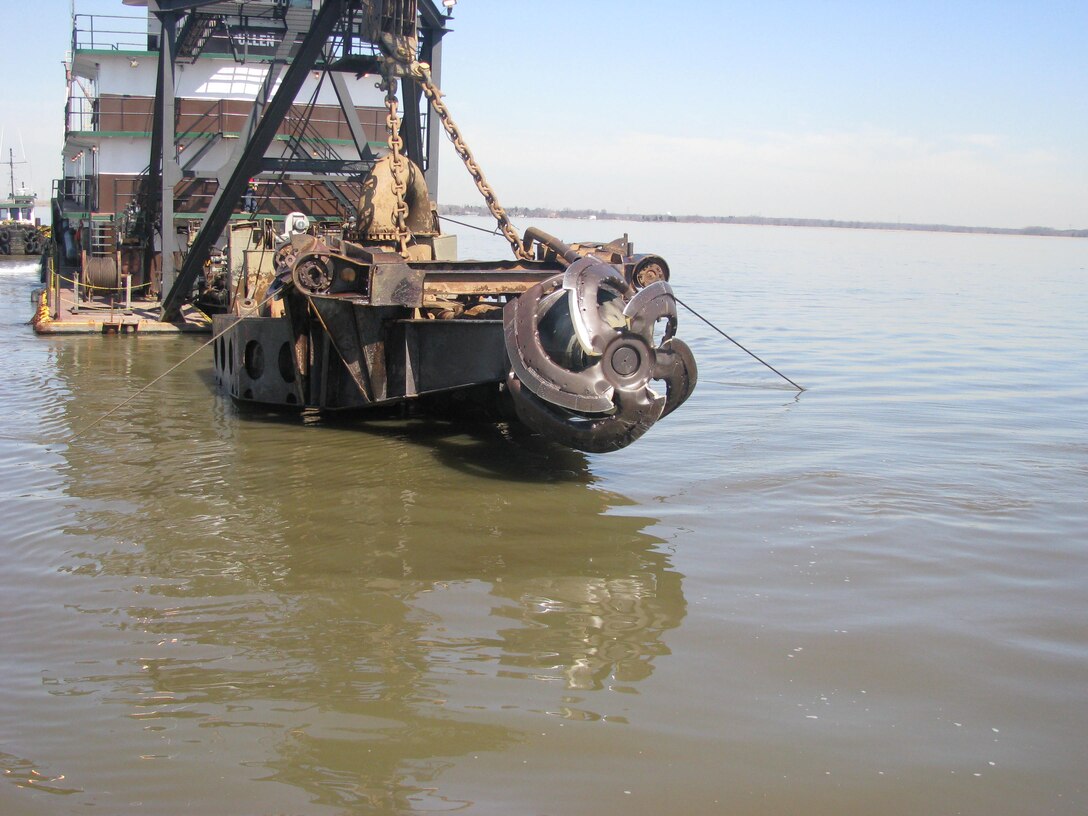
<point x="870" y="598"/>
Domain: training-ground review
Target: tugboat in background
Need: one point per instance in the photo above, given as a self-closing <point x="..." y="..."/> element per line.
<point x="20" y="234"/>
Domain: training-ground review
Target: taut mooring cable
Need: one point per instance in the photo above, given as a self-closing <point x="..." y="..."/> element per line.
<point x="470" y="226"/>
<point x="172" y="368"/>
<point x="738" y="345"/>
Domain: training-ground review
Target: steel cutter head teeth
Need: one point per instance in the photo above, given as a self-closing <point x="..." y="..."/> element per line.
<point x="583" y="357"/>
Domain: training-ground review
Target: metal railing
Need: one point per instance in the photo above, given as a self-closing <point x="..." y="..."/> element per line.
<point x="81" y="114"/>
<point x="108" y="32"/>
<point x="76" y="192"/>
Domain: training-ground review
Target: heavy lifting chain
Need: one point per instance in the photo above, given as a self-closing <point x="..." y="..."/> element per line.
<point x="422" y="74"/>
<point x="398" y="166"/>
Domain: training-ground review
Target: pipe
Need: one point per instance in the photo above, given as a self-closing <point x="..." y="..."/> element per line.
<point x="564" y="251"/>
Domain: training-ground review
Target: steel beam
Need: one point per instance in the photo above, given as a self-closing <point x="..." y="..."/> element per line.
<point x="182" y="6"/>
<point x="434" y="29"/>
<point x="191" y="160"/>
<point x="152" y="189"/>
<point x="164" y="169"/>
<point x="249" y="162"/>
<point x="336" y="167"/>
<point x="354" y="177"/>
<point x="432" y="17"/>
<point x="411" y="128"/>
<point x="351" y="116"/>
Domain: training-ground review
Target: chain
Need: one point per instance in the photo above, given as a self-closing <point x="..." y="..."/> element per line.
<point x="422" y="73"/>
<point x="398" y="165"/>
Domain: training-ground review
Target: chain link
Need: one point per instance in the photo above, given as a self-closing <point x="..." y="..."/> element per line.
<point x="422" y="74"/>
<point x="398" y="165"/>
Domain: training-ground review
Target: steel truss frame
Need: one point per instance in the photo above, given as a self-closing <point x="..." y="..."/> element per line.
<point x="312" y="32"/>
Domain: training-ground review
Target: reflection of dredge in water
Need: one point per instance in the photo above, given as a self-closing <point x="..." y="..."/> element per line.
<point x="347" y="307"/>
<point x="595" y="631"/>
<point x="372" y="632"/>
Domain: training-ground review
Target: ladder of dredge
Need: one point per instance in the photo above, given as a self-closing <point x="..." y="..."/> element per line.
<point x="102" y="239"/>
<point x="100" y="269"/>
<point x="195" y="35"/>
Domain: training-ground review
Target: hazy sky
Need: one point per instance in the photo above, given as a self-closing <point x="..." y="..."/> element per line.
<point x="953" y="112"/>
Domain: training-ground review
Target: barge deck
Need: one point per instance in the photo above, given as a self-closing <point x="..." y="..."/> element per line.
<point x="59" y="311"/>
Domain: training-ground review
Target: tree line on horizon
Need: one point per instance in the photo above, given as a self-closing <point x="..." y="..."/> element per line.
<point x="756" y="220"/>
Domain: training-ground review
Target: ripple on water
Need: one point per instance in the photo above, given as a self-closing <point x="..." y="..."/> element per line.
<point x="865" y="597"/>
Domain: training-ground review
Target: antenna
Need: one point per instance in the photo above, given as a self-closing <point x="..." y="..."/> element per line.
<point x="22" y="147"/>
<point x="11" y="168"/>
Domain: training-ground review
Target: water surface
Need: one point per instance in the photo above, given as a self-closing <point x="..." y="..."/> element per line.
<point x="866" y="598"/>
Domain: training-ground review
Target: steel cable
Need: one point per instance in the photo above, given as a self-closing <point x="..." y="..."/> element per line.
<point x="738" y="345"/>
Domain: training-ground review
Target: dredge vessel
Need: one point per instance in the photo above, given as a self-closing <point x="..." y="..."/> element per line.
<point x="278" y="187"/>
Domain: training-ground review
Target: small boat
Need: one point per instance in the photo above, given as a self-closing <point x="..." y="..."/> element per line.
<point x="19" y="233"/>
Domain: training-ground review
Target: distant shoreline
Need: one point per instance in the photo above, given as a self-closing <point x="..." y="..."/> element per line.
<point x="760" y="221"/>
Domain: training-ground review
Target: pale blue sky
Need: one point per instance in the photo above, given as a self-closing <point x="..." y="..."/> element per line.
<point x="954" y="112"/>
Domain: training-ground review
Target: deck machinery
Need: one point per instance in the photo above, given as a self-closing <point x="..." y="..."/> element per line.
<point x="576" y="341"/>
